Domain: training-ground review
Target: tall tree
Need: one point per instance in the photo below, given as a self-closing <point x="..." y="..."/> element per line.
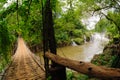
<point x="57" y="72"/>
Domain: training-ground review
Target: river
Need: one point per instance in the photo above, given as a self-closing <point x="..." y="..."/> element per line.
<point x="83" y="52"/>
<point x="86" y="51"/>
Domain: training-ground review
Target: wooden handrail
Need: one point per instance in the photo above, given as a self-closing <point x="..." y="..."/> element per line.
<point x="86" y="67"/>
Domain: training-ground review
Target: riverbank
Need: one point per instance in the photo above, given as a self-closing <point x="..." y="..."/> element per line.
<point x="110" y="56"/>
<point x="106" y="58"/>
<point x="103" y="59"/>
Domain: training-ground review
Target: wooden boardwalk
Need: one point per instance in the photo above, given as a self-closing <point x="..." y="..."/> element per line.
<point x="24" y="65"/>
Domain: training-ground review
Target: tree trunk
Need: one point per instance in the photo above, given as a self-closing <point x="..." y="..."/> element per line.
<point x="86" y="67"/>
<point x="45" y="39"/>
<point x="56" y="71"/>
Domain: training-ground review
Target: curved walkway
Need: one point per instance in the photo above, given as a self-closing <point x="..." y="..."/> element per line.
<point x="24" y="65"/>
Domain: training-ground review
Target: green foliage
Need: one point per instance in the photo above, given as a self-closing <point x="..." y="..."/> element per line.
<point x="29" y="26"/>
<point x="54" y="4"/>
<point x="49" y="78"/>
<point x="104" y="59"/>
<point x="83" y="77"/>
<point x="76" y="76"/>
<point x="78" y="40"/>
<point x="4" y="44"/>
<point x="69" y="26"/>
<point x="115" y="18"/>
<point x="105" y="25"/>
<point x="112" y="31"/>
<point x="77" y="33"/>
<point x="2" y="1"/>
<point x="67" y="22"/>
<point x="97" y="7"/>
<point x="102" y="25"/>
<point x="116" y="62"/>
<point x="70" y="75"/>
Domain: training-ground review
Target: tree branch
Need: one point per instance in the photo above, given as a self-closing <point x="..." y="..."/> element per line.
<point x="101" y="8"/>
<point x="117" y="2"/>
<point x="112" y="21"/>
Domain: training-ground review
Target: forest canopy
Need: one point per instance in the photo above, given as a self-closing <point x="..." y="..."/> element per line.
<point x="24" y="17"/>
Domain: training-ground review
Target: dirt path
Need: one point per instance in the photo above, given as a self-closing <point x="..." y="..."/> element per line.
<point x="24" y="66"/>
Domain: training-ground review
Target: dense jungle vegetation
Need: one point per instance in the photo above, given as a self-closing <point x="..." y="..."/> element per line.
<point x="25" y="18"/>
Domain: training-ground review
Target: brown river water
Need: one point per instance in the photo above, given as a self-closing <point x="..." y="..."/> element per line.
<point x="86" y="51"/>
